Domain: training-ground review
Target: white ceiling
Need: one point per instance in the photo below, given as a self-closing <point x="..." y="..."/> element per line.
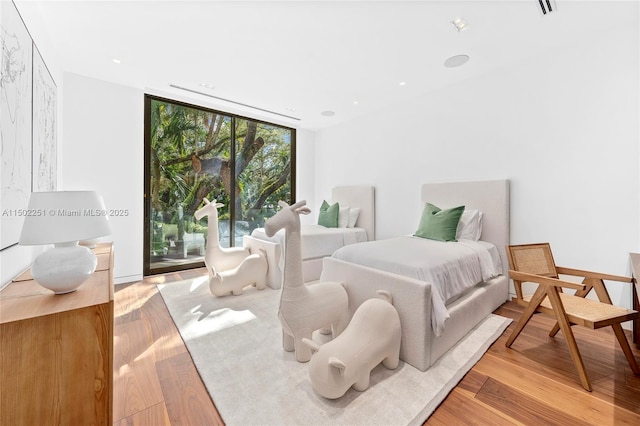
<point x="311" y="56"/>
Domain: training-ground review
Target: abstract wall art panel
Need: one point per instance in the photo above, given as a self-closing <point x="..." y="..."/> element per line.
<point x="15" y="122"/>
<point x="44" y="126"/>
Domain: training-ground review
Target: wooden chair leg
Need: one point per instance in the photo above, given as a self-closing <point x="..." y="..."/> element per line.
<point x="531" y="308"/>
<point x="563" y="322"/>
<point x="624" y="344"/>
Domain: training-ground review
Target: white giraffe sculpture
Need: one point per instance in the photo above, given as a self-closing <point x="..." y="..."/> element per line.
<point x="219" y="258"/>
<point x="230" y="269"/>
<point x="304" y="309"/>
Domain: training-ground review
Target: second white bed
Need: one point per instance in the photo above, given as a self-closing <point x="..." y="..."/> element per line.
<point x="318" y="241"/>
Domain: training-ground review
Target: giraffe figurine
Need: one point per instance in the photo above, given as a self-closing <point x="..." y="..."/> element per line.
<point x="216" y="257"/>
<point x="304" y="309"/>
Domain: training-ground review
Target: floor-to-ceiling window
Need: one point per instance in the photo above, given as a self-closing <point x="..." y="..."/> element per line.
<point x="193" y="153"/>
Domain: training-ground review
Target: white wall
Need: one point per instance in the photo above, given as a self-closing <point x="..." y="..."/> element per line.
<point x="103" y="143"/>
<point x="305" y="172"/>
<point x="563" y="127"/>
<point x="15" y="259"/>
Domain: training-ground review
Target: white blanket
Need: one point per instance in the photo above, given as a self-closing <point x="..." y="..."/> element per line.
<point x="318" y="241"/>
<point x="451" y="267"/>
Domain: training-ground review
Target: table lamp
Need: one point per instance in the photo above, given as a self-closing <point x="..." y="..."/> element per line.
<point x="63" y="218"/>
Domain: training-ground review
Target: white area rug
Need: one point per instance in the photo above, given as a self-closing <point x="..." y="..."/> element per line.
<point x="235" y="343"/>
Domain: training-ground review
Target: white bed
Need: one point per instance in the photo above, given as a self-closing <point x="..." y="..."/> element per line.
<point x="319" y="241"/>
<point x="425" y="334"/>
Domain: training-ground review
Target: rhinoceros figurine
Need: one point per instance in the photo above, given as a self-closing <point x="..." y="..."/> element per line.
<point x="372" y="336"/>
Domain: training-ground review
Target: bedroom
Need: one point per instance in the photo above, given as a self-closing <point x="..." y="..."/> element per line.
<point x="561" y="122"/>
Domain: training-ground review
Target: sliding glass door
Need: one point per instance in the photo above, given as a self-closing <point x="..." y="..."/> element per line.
<point x="192" y="153"/>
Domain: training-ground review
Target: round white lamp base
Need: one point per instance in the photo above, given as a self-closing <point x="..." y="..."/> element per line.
<point x="64" y="268"/>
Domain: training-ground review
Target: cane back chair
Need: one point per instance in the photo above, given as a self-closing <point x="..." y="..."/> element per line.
<point x="534" y="263"/>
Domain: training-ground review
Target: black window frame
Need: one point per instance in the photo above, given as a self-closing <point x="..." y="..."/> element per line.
<point x="148" y="98"/>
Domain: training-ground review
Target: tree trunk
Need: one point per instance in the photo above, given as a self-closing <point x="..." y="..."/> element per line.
<point x="272" y="187"/>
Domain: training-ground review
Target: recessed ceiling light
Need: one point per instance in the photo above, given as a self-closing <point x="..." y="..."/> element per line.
<point x="328" y="113"/>
<point x="456" y="61"/>
<point x="403" y="83"/>
<point x="356" y="102"/>
<point x="207" y="85"/>
<point x="459" y="24"/>
<point x="116" y="61"/>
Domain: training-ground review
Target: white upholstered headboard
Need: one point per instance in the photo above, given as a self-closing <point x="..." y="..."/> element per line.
<point x="491" y="197"/>
<point x="362" y="196"/>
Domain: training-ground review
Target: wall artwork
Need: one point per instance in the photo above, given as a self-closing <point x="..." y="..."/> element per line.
<point x="15" y="123"/>
<point x="44" y="126"/>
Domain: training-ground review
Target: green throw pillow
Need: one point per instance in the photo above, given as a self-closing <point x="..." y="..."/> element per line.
<point x="438" y="224"/>
<point x="328" y="215"/>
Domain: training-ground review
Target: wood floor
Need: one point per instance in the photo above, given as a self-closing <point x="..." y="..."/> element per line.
<point x="534" y="383"/>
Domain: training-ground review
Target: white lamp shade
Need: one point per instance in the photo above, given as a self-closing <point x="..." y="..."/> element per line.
<point x="64" y="216"/>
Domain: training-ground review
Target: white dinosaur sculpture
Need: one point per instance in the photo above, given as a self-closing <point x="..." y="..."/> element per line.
<point x="238" y="267"/>
<point x="252" y="271"/>
<point x="304" y="309"/>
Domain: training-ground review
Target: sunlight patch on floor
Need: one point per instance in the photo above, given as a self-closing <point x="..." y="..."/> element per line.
<point x="165" y="344"/>
<point x="219" y="320"/>
<point x="132" y="298"/>
<point x="197" y="282"/>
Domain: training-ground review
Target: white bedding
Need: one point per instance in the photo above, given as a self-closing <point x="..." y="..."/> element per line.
<point x="318" y="241"/>
<point x="453" y="267"/>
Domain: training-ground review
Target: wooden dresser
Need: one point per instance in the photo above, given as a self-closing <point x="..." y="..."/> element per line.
<point x="56" y="352"/>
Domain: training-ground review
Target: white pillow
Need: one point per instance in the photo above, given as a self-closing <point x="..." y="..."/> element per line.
<point x="354" y="212"/>
<point x="470" y="225"/>
<point x="343" y="217"/>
